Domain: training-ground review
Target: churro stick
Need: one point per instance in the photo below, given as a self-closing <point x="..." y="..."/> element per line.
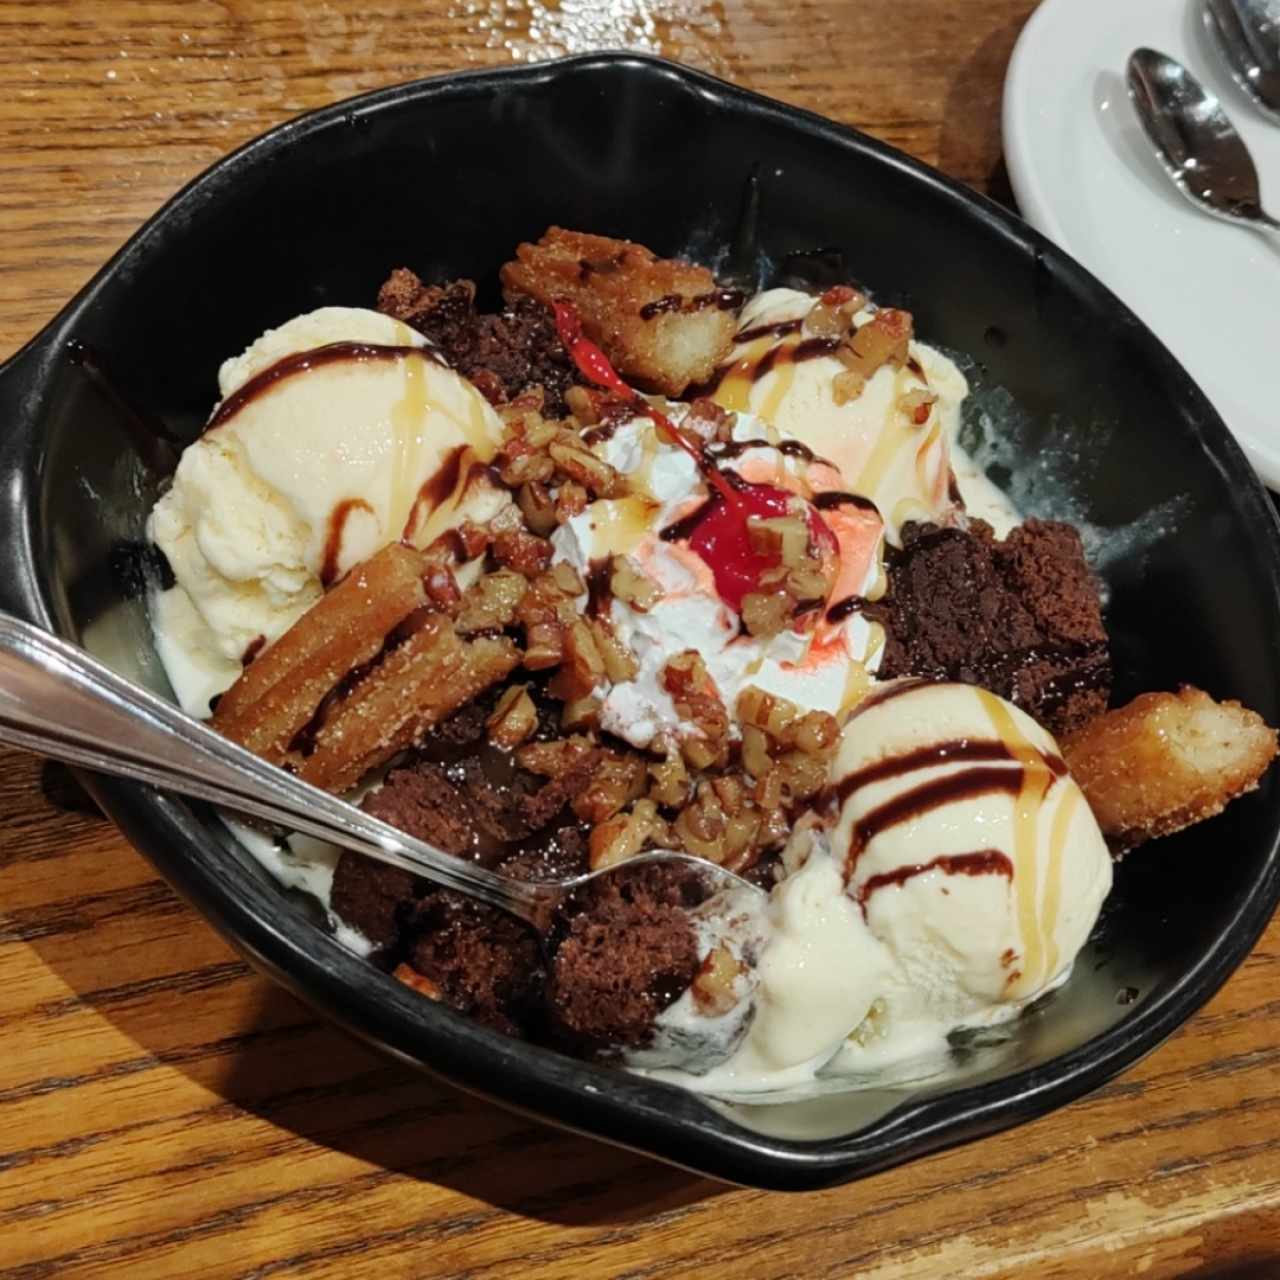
<point x="279" y="692"/>
<point x="1165" y="761"/>
<point x="425" y="673"/>
<point x="662" y="322"/>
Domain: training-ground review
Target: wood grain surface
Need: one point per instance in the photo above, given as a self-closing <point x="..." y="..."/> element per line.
<point x="164" y="1112"/>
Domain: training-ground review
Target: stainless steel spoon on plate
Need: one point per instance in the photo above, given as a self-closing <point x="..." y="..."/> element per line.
<point x="1194" y="141"/>
<point x="1247" y="34"/>
<point x="58" y="701"/>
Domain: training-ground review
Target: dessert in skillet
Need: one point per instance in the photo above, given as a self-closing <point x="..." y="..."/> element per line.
<point x="641" y="563"/>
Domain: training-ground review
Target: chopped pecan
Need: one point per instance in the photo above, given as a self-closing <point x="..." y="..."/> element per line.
<point x="524" y="552"/>
<point x="583" y="666"/>
<point x="626" y="834"/>
<point x="713" y="987"/>
<point x="514" y="719"/>
<point x="617" y="779"/>
<point x="492" y="602"/>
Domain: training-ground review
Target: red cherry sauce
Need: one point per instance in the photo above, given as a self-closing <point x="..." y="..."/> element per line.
<point x="717" y="531"/>
<point x="718" y="534"/>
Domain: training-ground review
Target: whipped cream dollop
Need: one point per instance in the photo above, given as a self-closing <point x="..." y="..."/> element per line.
<point x="689" y="613"/>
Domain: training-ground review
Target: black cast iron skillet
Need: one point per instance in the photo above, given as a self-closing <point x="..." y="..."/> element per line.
<point x="446" y="176"/>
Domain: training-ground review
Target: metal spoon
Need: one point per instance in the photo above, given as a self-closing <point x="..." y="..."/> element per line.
<point x="1198" y="146"/>
<point x="1247" y="34"/>
<point x="58" y="701"/>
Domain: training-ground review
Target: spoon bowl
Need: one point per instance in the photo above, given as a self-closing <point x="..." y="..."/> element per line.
<point x="1247" y="35"/>
<point x="1194" y="139"/>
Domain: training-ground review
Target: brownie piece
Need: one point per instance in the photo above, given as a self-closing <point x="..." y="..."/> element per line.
<point x="1020" y="617"/>
<point x="475" y="807"/>
<point x="482" y="807"/>
<point x="628" y="954"/>
<point x="422" y="801"/>
<point x="460" y="734"/>
<point x="368" y="896"/>
<point x="484" y="962"/>
<point x="502" y="354"/>
<point x="554" y="853"/>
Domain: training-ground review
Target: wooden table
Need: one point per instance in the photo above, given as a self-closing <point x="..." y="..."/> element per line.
<point x="164" y="1112"/>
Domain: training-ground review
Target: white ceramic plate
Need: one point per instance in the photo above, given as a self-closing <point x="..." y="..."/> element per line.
<point x="1084" y="174"/>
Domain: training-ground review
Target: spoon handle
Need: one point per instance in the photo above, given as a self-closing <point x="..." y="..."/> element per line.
<point x="58" y="701"/>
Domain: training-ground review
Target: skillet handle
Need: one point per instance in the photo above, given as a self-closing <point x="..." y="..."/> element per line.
<point x="18" y="486"/>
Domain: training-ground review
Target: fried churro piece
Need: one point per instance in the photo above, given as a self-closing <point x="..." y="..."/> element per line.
<point x="1166" y="761"/>
<point x="423" y="674"/>
<point x="360" y="676"/>
<point x="281" y="688"/>
<point x="662" y="322"/>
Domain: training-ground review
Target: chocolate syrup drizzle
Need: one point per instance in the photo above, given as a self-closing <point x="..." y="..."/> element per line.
<point x="808" y="349"/>
<point x="779" y="329"/>
<point x="965" y="784"/>
<point x="252" y="649"/>
<point x="934" y="794"/>
<point x="599" y="434"/>
<point x="721" y="299"/>
<point x="333" y="541"/>
<point x="834" y="498"/>
<point x="846" y="608"/>
<point x="438" y="486"/>
<point x="983" y="862"/>
<point x="788" y="448"/>
<point x="983" y="749"/>
<point x="301" y="361"/>
<point x="599" y="590"/>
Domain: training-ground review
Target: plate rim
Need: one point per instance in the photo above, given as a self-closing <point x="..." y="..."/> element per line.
<point x="1032" y="196"/>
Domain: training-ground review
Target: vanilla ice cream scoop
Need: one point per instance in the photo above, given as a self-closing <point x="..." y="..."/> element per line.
<point x="956" y="878"/>
<point x="337" y="433"/>
<point x="786" y="377"/>
<point x="969" y="850"/>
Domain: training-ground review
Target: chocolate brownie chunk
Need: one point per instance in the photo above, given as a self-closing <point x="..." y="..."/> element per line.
<point x="1020" y="617"/>
<point x="475" y="807"/>
<point x="368" y="896"/>
<point x="554" y="853"/>
<point x="485" y="963"/>
<point x="629" y="953"/>
<point x="422" y="801"/>
<point x="459" y="734"/>
<point x="503" y="354"/>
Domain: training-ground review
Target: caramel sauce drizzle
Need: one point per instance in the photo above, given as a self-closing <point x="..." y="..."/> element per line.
<point x="1067" y="805"/>
<point x="408" y="422"/>
<point x="1037" y="777"/>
